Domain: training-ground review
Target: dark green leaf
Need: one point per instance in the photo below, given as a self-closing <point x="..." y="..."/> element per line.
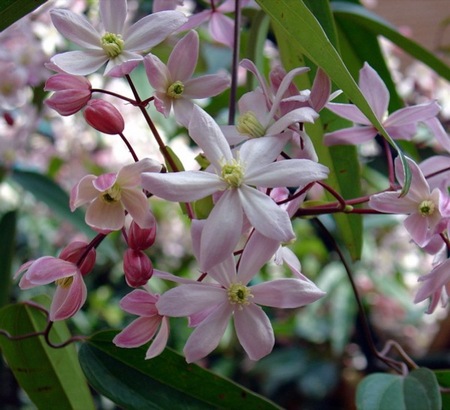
<point x="7" y="241"/>
<point x="165" y="382"/>
<point x="51" y="377"/>
<point x="13" y="10"/>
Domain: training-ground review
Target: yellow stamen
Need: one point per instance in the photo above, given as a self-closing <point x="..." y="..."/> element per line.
<point x="112" y="44"/>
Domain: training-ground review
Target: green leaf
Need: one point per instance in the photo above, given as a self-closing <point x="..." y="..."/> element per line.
<point x="305" y="32"/>
<point x="46" y="190"/>
<point x="418" y="390"/>
<point x="13" y="10"/>
<point x="164" y="382"/>
<point x="51" y="377"/>
<point x="8" y="243"/>
<point x="443" y="378"/>
<point x="364" y="18"/>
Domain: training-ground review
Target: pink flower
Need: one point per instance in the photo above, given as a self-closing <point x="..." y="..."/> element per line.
<point x="211" y="305"/>
<point x="426" y="208"/>
<point x="139" y="238"/>
<point x="71" y="290"/>
<point x="110" y="195"/>
<point x="400" y="125"/>
<point x="143" y="329"/>
<point x="118" y="45"/>
<point x="236" y="175"/>
<point x="104" y="117"/>
<point x="72" y="93"/>
<point x="173" y="83"/>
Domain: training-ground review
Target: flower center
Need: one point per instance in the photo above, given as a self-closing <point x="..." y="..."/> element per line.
<point x="112" y="194"/>
<point x="248" y="124"/>
<point x="233" y="173"/>
<point x="238" y="293"/>
<point x="426" y="208"/>
<point x="64" y="282"/>
<point x="112" y="44"/>
<point x="175" y="90"/>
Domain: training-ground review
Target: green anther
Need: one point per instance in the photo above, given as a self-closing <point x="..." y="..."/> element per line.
<point x="233" y="174"/>
<point x="64" y="282"/>
<point x="426" y="208"/>
<point x="238" y="293"/>
<point x="112" y="44"/>
<point x="112" y="194"/>
<point x="248" y="124"/>
<point x="175" y="90"/>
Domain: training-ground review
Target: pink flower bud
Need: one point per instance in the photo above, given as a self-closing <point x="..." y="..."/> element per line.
<point x="71" y="93"/>
<point x="139" y="238"/>
<point x="74" y="251"/>
<point x="104" y="117"/>
<point x="138" y="268"/>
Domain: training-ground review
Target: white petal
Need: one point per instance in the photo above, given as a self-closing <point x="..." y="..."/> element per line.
<point x="113" y="16"/>
<point x="80" y="62"/>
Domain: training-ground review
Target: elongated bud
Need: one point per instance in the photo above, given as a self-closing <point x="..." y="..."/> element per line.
<point x="71" y="93"/>
<point x="138" y="268"/>
<point x="139" y="238"/>
<point x="74" y="251"/>
<point x="104" y="117"/>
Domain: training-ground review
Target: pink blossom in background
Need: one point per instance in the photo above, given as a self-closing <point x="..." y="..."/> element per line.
<point x="110" y="195"/>
<point x="401" y="124"/>
<point x="117" y="45"/>
<point x="149" y="325"/>
<point x="173" y="83"/>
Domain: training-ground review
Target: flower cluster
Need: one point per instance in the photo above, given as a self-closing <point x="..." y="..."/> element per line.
<point x="255" y="174"/>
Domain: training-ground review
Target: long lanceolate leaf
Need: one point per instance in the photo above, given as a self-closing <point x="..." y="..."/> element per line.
<point x="13" y="10"/>
<point x="303" y="29"/>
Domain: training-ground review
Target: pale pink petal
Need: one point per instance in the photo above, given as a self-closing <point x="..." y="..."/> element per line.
<point x="419" y="189"/>
<point x="83" y="192"/>
<point x="265" y="215"/>
<point x="390" y="202"/>
<point x="104" y="182"/>
<point x="208" y="136"/>
<point x="417" y="226"/>
<point x="222" y="29"/>
<point x="130" y="175"/>
<point x="105" y="216"/>
<point x="224" y="272"/>
<point x="188" y="299"/>
<point x="291" y="173"/>
<point x="46" y="270"/>
<point x="206" y="86"/>
<point x="250" y="66"/>
<point x="353" y="135"/>
<point x="135" y="202"/>
<point x="80" y="62"/>
<point x="23" y="268"/>
<point x="183" y="186"/>
<point x="123" y="64"/>
<point x="163" y="103"/>
<point x="232" y="135"/>
<point x="206" y="336"/>
<point x="68" y="301"/>
<point x="76" y="28"/>
<point x="195" y="20"/>
<point x="222" y="230"/>
<point x="157" y="73"/>
<point x="291" y="260"/>
<point x="438" y="130"/>
<point x="152" y="29"/>
<point x="304" y="114"/>
<point x="408" y="115"/>
<point x="374" y="89"/>
<point x="113" y="15"/>
<point x="286" y="293"/>
<point x="258" y="152"/>
<point x="160" y="341"/>
<point x="254" y="331"/>
<point x="434" y="281"/>
<point x="320" y="90"/>
<point x="182" y="109"/>
<point x="350" y="112"/>
<point x="139" y="302"/>
<point x="138" y="332"/>
<point x="183" y="58"/>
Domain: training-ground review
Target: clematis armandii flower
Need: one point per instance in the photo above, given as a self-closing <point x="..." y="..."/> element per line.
<point x="213" y="304"/>
<point x="427" y="209"/>
<point x="401" y="124"/>
<point x="173" y="83"/>
<point x="117" y="45"/>
<point x="145" y="328"/>
<point x="110" y="195"/>
<point x="71" y="292"/>
<point x="236" y="176"/>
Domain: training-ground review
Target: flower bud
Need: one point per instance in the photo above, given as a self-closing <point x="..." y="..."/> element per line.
<point x="71" y="93"/>
<point x="139" y="238"/>
<point x="104" y="117"/>
<point x="74" y="251"/>
<point x="138" y="268"/>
